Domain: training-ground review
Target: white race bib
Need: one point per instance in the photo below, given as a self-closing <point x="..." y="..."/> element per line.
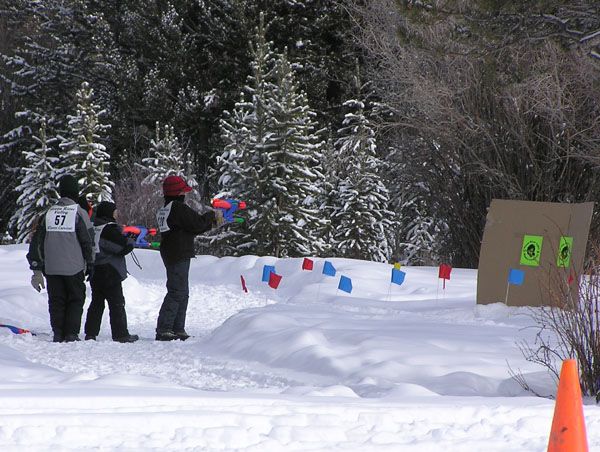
<point x="162" y="216"/>
<point x="97" y="233"/>
<point x="61" y="218"/>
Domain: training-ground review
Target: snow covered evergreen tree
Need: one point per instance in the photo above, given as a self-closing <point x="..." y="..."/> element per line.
<point x="82" y="154"/>
<point x="272" y="159"/>
<point x="37" y="190"/>
<point x="293" y="224"/>
<point x="167" y="158"/>
<point x="244" y="133"/>
<point x="360" y="214"/>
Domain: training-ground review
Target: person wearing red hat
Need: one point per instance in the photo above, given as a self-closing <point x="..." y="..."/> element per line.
<point x="178" y="224"/>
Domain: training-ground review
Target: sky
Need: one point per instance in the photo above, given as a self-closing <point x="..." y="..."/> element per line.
<point x="305" y="366"/>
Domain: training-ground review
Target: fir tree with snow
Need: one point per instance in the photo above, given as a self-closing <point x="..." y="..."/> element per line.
<point x="241" y="167"/>
<point x="360" y="212"/>
<point x="37" y="190"/>
<point x="272" y="159"/>
<point x="293" y="225"/>
<point x="168" y="158"/>
<point x="82" y="153"/>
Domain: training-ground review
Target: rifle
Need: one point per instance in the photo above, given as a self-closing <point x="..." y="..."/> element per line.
<point x="140" y="233"/>
<point x="229" y="206"/>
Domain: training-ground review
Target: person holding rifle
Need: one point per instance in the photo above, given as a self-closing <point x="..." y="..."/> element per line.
<point x="110" y="270"/>
<point x="179" y="224"/>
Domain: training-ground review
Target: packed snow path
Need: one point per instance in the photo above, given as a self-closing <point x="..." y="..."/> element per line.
<point x="176" y="362"/>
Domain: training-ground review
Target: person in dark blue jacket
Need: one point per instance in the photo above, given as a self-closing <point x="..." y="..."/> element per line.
<point x="110" y="269"/>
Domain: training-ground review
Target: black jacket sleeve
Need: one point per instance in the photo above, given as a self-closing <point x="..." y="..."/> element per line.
<point x="114" y="242"/>
<point x="191" y="221"/>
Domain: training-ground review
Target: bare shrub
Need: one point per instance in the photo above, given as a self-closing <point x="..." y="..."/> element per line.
<point x="137" y="202"/>
<point x="570" y="329"/>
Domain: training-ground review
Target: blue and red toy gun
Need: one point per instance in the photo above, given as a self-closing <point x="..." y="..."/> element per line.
<point x="229" y="206"/>
<point x="140" y="233"/>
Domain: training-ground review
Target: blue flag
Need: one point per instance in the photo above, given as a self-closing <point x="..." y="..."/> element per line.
<point x="267" y="269"/>
<point x="345" y="284"/>
<point x="397" y="276"/>
<point x="516" y="277"/>
<point x="328" y="269"/>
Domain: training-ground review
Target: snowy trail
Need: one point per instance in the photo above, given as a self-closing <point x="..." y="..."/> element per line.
<point x="177" y="362"/>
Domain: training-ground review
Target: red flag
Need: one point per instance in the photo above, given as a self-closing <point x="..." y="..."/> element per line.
<point x="307" y="264"/>
<point x="244" y="284"/>
<point x="274" y="280"/>
<point x="571" y="278"/>
<point x="444" y="272"/>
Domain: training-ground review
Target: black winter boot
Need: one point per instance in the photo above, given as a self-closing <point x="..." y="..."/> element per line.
<point x="72" y="338"/>
<point x="166" y="336"/>
<point x="128" y="338"/>
<point x="182" y="335"/>
<point x="58" y="336"/>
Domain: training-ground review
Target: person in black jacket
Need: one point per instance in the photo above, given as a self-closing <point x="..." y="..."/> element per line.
<point x="178" y="224"/>
<point x="110" y="269"/>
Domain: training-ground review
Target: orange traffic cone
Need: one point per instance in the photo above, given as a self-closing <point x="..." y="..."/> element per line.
<point x="568" y="425"/>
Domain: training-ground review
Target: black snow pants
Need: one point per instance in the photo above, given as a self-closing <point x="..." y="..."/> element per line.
<point x="106" y="286"/>
<point x="66" y="297"/>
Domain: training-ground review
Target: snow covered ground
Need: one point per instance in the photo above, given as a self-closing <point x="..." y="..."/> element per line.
<point x="303" y="367"/>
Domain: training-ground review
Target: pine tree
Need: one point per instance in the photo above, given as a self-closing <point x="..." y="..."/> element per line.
<point x="292" y="225"/>
<point x="360" y="213"/>
<point x="83" y="154"/>
<point x="272" y="159"/>
<point x="244" y="134"/>
<point x="37" y="190"/>
<point x="167" y="158"/>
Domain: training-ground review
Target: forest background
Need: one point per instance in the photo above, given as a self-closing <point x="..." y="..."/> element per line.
<point x="375" y="129"/>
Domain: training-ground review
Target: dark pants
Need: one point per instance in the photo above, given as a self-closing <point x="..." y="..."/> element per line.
<point x="106" y="286"/>
<point x="66" y="297"/>
<point x="172" y="312"/>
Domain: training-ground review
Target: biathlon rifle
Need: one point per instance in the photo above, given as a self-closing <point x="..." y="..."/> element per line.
<point x="229" y="206"/>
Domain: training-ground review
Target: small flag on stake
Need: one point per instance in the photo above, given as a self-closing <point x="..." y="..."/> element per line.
<point x="307" y="264"/>
<point x="267" y="269"/>
<point x="444" y="271"/>
<point x="244" y="288"/>
<point x="516" y="277"/>
<point x="571" y="278"/>
<point x="345" y="284"/>
<point x="398" y="276"/>
<point x="328" y="269"/>
<point x="274" y="280"/>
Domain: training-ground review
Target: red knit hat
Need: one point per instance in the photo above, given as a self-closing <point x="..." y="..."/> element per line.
<point x="174" y="185"/>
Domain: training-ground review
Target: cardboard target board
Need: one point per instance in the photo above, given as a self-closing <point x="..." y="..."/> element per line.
<point x="546" y="241"/>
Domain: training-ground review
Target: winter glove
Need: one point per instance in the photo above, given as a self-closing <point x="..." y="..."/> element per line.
<point x="219" y="218"/>
<point x="37" y="280"/>
<point x="89" y="271"/>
